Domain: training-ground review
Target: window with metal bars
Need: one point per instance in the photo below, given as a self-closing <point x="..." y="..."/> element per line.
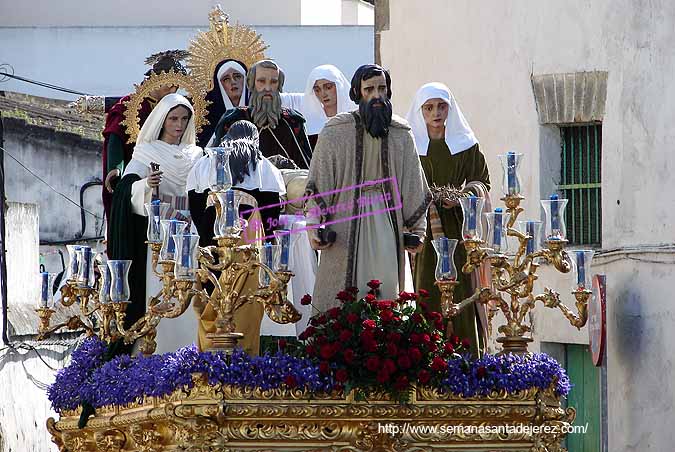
<point x="580" y="167"/>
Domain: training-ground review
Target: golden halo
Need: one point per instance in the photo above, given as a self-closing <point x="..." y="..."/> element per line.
<point x="196" y="94"/>
<point x="221" y="42"/>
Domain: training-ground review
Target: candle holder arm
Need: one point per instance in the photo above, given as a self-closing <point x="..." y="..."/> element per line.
<point x="551" y="299"/>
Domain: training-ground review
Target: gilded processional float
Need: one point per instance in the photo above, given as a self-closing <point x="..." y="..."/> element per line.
<point x="371" y="375"/>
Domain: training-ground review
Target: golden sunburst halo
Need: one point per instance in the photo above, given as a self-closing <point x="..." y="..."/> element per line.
<point x="194" y="90"/>
<point x="222" y="41"/>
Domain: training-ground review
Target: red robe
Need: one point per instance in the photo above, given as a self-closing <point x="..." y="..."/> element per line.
<point x="113" y="126"/>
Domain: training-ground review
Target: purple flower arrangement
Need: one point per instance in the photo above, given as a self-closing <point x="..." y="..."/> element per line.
<point x="124" y="379"/>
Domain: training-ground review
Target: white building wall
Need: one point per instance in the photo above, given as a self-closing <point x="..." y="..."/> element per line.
<point x="109" y="60"/>
<point x="322" y="12"/>
<point x="486" y="53"/>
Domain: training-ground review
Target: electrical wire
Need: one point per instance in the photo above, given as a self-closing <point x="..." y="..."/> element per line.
<point x="5" y="69"/>
<point x="48" y="185"/>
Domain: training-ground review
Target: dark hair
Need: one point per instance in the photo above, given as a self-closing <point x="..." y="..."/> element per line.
<point x="366" y="72"/>
<point x="167" y="115"/>
<point x="165" y="61"/>
<point x="243" y="137"/>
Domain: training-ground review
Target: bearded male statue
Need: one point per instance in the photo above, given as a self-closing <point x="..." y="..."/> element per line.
<point x="282" y="130"/>
<point x="367" y="183"/>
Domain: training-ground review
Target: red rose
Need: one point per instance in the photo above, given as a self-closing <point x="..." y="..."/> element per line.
<point x="370" y="346"/>
<point x="426" y="338"/>
<point x="481" y="372"/>
<point x="303" y="336"/>
<point x="353" y="290"/>
<point x="417" y="318"/>
<point x="423" y="293"/>
<point x="321" y="320"/>
<point x="382" y="377"/>
<point x="439" y="325"/>
<point x="310" y="350"/>
<point x="385" y="304"/>
<point x="290" y="381"/>
<point x="327" y="351"/>
<point x="394" y="337"/>
<point x="348" y="355"/>
<point x="306" y="300"/>
<point x="423" y="306"/>
<point x="387" y="315"/>
<point x="434" y="316"/>
<point x="401" y="383"/>
<point x="367" y="336"/>
<point x="344" y="296"/>
<point x="466" y="343"/>
<point x="415" y="354"/>
<point x="282" y="344"/>
<point x="334" y="313"/>
<point x="337" y="327"/>
<point x="407" y="296"/>
<point x="404" y="362"/>
<point x="415" y="338"/>
<point x="321" y="340"/>
<point x="435" y="337"/>
<point x="449" y="348"/>
<point x="373" y="363"/>
<point x="424" y="376"/>
<point x="374" y="284"/>
<point x="345" y="335"/>
<point x="389" y="365"/>
<point x="455" y="340"/>
<point x="439" y="364"/>
<point x="432" y="347"/>
<point x="369" y="324"/>
<point x="324" y="367"/>
<point x="310" y="330"/>
<point x="392" y="349"/>
<point x="352" y="318"/>
<point x="370" y="298"/>
<point x="341" y="375"/>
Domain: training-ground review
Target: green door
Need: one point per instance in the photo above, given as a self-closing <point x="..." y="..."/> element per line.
<point x="584" y="397"/>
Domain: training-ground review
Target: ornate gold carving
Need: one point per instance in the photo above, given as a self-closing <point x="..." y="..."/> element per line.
<point x="146" y="436"/>
<point x="132" y="122"/>
<point x="110" y="441"/>
<point x="220" y="42"/>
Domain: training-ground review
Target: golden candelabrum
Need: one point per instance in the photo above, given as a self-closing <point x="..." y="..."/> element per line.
<point x="513" y="277"/>
<point x="216" y="275"/>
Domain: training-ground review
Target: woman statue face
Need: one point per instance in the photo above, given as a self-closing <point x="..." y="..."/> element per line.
<point x="435" y="113"/>
<point x="233" y="83"/>
<point x="175" y="124"/>
<point x="325" y="91"/>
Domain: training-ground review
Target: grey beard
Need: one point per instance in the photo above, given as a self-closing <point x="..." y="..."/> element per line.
<point x="376" y="120"/>
<point x="265" y="112"/>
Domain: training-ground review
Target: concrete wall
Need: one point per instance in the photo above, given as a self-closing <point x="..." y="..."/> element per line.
<point x="486" y="53"/>
<point x="109" y="60"/>
<point x="66" y="163"/>
<point x="84" y="13"/>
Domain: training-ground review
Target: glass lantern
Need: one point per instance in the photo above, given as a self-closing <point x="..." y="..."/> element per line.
<point x="510" y="177"/>
<point x="119" y="280"/>
<point x="104" y="284"/>
<point x="85" y="269"/>
<point x="554" y="213"/>
<point x="73" y="263"/>
<point x="47" y="290"/>
<point x="582" y="264"/>
<point x="220" y="178"/>
<point x="156" y="213"/>
<point x="472" y="209"/>
<point x="187" y="256"/>
<point x="169" y="229"/>
<point x="227" y="215"/>
<point x="497" y="222"/>
<point x="283" y="239"/>
<point x="533" y="229"/>
<point x="445" y="265"/>
<point x="269" y="256"/>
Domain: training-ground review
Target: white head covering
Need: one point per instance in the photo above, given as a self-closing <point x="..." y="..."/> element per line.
<point x="458" y="135"/>
<point x="312" y="109"/>
<point x="226" y="99"/>
<point x="175" y="160"/>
